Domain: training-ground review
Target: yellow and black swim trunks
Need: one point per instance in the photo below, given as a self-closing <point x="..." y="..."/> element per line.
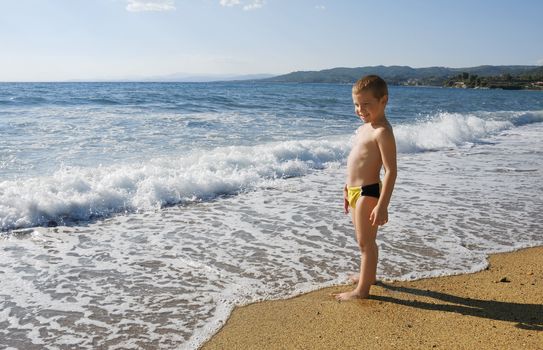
<point x="353" y="193"/>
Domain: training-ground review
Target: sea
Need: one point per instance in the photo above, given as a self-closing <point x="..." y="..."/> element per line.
<point x="138" y="215"/>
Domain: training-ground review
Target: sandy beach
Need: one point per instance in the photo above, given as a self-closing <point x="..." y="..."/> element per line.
<point x="498" y="308"/>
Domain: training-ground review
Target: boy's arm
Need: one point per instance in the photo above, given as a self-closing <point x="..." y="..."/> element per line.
<point x="387" y="148"/>
<point x="345" y="200"/>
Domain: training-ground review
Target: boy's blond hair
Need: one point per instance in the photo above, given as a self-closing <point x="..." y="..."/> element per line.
<point x="372" y="83"/>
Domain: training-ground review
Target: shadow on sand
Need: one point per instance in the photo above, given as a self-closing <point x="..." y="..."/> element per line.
<point x="527" y="316"/>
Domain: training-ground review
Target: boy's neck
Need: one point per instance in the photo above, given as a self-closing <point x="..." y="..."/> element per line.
<point x="379" y="120"/>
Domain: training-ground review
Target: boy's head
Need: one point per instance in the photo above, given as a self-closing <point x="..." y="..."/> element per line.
<point x="373" y="83"/>
<point x="370" y="97"/>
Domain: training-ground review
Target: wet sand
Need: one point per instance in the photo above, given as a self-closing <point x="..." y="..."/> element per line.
<point x="498" y="308"/>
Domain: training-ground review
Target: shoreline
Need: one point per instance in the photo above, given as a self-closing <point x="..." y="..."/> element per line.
<point x="499" y="307"/>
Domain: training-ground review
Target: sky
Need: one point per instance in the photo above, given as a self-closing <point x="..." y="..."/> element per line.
<point x="57" y="40"/>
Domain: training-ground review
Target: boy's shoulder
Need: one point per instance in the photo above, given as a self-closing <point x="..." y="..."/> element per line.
<point x="382" y="127"/>
<point x="383" y="131"/>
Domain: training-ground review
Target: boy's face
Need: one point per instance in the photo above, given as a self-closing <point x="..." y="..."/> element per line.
<point x="368" y="107"/>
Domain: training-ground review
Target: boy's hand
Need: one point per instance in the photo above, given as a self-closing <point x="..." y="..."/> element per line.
<point x="378" y="216"/>
<point x="345" y="201"/>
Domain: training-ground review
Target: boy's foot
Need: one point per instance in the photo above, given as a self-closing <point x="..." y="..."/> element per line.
<point x="350" y="295"/>
<point x="353" y="279"/>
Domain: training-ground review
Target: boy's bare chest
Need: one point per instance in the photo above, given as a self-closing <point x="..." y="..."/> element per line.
<point x="364" y="146"/>
<point x="364" y="141"/>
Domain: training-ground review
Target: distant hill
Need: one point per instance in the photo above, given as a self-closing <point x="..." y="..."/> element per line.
<point x="404" y="75"/>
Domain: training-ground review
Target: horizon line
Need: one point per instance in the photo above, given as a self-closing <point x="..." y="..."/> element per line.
<point x="209" y="78"/>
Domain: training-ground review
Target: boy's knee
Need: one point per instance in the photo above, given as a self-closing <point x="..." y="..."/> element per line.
<point x="365" y="245"/>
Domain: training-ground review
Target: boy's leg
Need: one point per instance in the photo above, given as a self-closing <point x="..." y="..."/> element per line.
<point x="366" y="237"/>
<point x="354" y="278"/>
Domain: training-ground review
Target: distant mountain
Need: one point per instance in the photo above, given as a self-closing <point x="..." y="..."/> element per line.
<point x="401" y="75"/>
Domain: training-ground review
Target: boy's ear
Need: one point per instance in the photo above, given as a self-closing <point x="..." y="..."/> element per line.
<point x="384" y="99"/>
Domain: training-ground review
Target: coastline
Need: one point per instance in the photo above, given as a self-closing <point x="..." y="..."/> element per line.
<point x="499" y="307"/>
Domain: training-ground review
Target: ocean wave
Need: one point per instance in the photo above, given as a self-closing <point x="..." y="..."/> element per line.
<point x="98" y="101"/>
<point x="74" y="194"/>
<point x="24" y="100"/>
<point x="446" y="131"/>
<point x="525" y="118"/>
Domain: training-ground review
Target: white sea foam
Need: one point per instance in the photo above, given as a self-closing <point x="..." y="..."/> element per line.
<point x="74" y="193"/>
<point x="448" y="130"/>
<point x="169" y="278"/>
<point x="78" y="193"/>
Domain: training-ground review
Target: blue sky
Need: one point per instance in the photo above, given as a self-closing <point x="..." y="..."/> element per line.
<point x="48" y="40"/>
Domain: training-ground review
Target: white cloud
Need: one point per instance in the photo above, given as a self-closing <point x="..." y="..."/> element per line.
<point x="255" y="4"/>
<point x="150" y="5"/>
<point x="540" y="62"/>
<point x="230" y="3"/>
<point x="320" y="7"/>
<point x="247" y="5"/>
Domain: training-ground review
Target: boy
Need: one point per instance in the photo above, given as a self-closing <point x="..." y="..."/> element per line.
<point x="374" y="147"/>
